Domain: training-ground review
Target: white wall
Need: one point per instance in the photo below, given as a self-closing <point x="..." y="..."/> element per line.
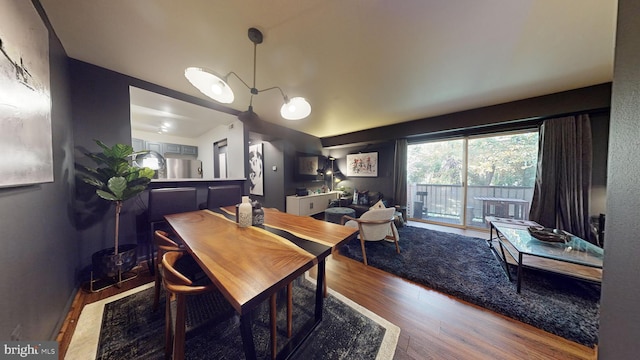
<point x="163" y="138"/>
<point x="234" y="134"/>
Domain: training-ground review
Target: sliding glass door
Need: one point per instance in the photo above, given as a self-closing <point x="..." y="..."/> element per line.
<point x="435" y="186"/>
<point x="500" y="177"/>
<point x="462" y="181"/>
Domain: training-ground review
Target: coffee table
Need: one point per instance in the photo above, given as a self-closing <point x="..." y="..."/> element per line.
<point x="514" y="239"/>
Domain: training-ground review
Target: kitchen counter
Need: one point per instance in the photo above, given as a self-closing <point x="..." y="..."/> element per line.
<point x="194" y="180"/>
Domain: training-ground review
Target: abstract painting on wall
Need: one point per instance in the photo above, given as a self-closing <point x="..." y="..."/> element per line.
<point x="364" y="164"/>
<point x="25" y="97"/>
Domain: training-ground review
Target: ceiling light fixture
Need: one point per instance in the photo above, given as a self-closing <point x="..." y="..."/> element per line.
<point x="217" y="87"/>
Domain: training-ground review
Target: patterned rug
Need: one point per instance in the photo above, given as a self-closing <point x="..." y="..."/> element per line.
<point x="125" y="327"/>
<point x="465" y="268"/>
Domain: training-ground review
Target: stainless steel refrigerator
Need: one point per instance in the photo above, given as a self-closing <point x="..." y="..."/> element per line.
<point x="182" y="169"/>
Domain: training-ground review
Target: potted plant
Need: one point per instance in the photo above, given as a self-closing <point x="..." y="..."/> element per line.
<point x="115" y="179"/>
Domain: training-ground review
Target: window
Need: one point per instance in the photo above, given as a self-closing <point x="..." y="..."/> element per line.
<point x="464" y="180"/>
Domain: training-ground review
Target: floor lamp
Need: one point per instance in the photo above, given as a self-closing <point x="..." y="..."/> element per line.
<point x="330" y="171"/>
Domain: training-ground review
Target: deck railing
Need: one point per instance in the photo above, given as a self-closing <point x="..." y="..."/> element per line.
<point x="445" y="201"/>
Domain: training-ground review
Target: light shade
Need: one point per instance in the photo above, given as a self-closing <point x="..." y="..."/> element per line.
<point x="297" y="108"/>
<point x="150" y="159"/>
<point x="209" y="84"/>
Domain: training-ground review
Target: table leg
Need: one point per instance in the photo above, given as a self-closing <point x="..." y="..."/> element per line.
<point x="504" y="259"/>
<point x="320" y="290"/>
<point x="247" y="336"/>
<point x="491" y="234"/>
<point x="519" y="272"/>
<point x="273" y="318"/>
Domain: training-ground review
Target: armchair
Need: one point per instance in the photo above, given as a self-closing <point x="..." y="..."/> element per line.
<point x="374" y="225"/>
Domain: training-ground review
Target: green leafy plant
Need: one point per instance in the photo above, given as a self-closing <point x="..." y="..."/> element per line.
<point x="115" y="179"/>
<point x="346" y="191"/>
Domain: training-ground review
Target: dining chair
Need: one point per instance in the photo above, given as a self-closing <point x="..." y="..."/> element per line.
<point x="183" y="284"/>
<point x="163" y="245"/>
<point x="165" y="201"/>
<point x="223" y="195"/>
<point x="374" y="225"/>
<point x="180" y="286"/>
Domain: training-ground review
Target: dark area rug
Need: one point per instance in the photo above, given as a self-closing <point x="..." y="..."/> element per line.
<point x="465" y="268"/>
<point x="131" y="330"/>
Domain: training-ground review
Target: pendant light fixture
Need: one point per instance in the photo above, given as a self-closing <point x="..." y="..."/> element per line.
<point x="217" y="87"/>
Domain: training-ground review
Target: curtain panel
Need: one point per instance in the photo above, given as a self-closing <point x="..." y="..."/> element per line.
<point x="400" y="176"/>
<point x="563" y="177"/>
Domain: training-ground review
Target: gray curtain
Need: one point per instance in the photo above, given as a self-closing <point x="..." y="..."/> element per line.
<point x="563" y="178"/>
<point x="400" y="176"/>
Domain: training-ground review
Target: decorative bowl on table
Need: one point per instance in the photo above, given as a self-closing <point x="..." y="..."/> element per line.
<point x="548" y="234"/>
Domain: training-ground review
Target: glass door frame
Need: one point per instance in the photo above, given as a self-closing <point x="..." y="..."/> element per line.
<point x="464" y="213"/>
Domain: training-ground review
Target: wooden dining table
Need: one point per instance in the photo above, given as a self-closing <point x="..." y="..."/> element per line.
<point x="251" y="264"/>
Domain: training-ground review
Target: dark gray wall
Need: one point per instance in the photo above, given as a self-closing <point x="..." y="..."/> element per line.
<point x="39" y="243"/>
<point x="101" y="110"/>
<point x="100" y="102"/>
<point x="274" y="179"/>
<point x="619" y="313"/>
<point x="40" y="236"/>
<point x="511" y="115"/>
<point x="383" y="182"/>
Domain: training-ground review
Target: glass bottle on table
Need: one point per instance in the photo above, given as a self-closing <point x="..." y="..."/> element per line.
<point x="245" y="212"/>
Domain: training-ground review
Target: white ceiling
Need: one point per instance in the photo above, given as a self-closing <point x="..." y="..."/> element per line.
<point x="155" y="113"/>
<point x="360" y="63"/>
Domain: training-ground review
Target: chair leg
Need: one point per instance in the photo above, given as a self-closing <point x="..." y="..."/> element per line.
<point x="178" y="338"/>
<point x="158" y="283"/>
<point x="151" y="264"/>
<point x="168" y="336"/>
<point x="156" y="294"/>
<point x="394" y="231"/>
<point x="364" y="253"/>
<point x="273" y="317"/>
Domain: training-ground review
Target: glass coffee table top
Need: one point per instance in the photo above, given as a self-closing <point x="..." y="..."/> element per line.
<point x="576" y="250"/>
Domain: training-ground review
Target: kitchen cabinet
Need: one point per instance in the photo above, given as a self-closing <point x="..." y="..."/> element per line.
<point x="153" y="146"/>
<point x="163" y="148"/>
<point x="170" y="148"/>
<point x="310" y="204"/>
<point x="180" y="149"/>
<point x="188" y="150"/>
<point x="138" y="144"/>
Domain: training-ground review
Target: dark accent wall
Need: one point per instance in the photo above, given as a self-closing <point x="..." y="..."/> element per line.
<point x="101" y="110"/>
<point x="619" y="312"/>
<point x="100" y="103"/>
<point x="511" y="115"/>
<point x="39" y="254"/>
<point x="50" y="230"/>
<point x="274" y="179"/>
<point x="383" y="182"/>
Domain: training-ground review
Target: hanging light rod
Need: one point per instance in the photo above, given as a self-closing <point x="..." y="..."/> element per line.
<point x="217" y="87"/>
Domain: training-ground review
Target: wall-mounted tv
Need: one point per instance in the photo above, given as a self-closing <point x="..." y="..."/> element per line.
<point x="307" y="167"/>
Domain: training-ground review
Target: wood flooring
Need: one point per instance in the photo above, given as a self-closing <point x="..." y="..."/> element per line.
<point x="433" y="325"/>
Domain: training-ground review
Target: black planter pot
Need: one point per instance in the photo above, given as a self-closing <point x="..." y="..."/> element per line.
<point x="107" y="265"/>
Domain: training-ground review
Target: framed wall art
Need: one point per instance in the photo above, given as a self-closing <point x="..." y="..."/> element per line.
<point x="363" y="164"/>
<point x="307" y="167"/>
<point x="25" y="96"/>
<point x="256" y="174"/>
